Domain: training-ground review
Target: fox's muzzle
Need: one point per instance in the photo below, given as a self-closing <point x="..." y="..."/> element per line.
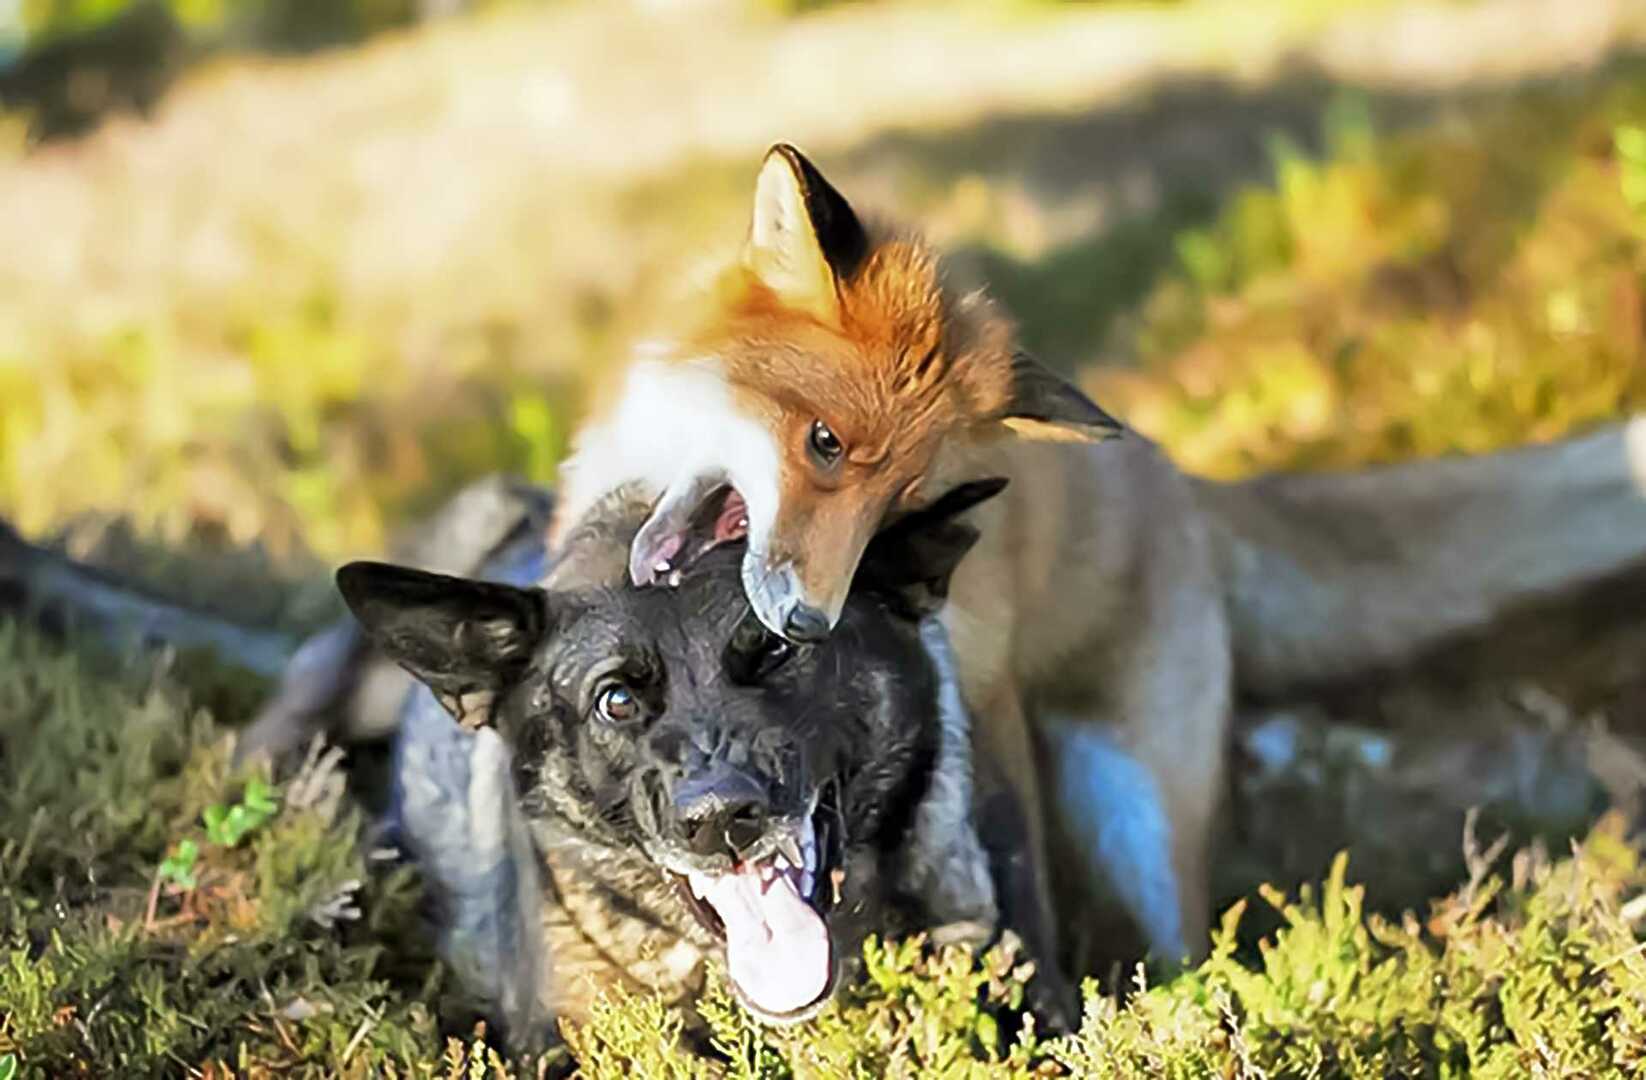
<point x="780" y="601"/>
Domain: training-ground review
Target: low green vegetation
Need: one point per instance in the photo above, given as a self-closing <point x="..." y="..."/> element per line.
<point x="160" y="915"/>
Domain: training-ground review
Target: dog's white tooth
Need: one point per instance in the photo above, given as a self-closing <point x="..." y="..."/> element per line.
<point x="743" y="523"/>
<point x="662" y="566"/>
<point x="838" y="877"/>
<point x="674" y="579"/>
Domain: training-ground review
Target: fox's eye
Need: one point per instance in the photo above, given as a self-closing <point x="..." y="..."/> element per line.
<point x="825" y="444"/>
<point x="617" y="703"/>
<point x="754" y="652"/>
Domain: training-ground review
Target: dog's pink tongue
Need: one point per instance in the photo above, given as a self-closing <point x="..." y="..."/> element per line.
<point x="776" y="944"/>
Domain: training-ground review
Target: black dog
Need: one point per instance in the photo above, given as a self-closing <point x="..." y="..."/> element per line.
<point x="653" y="780"/>
<point x="656" y="780"/>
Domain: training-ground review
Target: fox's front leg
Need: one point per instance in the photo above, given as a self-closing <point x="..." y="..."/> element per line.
<point x="1010" y="810"/>
<point x="1135" y="786"/>
<point x="1013" y="834"/>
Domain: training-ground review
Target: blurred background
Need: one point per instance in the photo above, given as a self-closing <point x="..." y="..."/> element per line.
<point x="285" y="271"/>
<point x="279" y="275"/>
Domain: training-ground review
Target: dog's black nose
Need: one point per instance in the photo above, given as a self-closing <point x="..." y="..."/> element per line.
<point x="804" y="625"/>
<point x="722" y="811"/>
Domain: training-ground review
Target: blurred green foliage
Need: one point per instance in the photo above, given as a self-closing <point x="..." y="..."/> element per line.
<point x="275" y="24"/>
<point x="1314" y="7"/>
<point x="1458" y="288"/>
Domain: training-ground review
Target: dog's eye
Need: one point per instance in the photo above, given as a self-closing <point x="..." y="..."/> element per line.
<point x="755" y="652"/>
<point x="825" y="443"/>
<point x="617" y="703"/>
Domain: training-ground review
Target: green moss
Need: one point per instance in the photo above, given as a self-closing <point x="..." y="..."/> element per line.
<point x="290" y="951"/>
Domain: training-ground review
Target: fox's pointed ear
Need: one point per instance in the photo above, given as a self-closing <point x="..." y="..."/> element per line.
<point x="1043" y="405"/>
<point x="804" y="237"/>
<point x="455" y="635"/>
<point x="913" y="559"/>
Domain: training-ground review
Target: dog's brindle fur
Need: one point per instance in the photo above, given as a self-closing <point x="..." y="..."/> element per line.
<point x="865" y="718"/>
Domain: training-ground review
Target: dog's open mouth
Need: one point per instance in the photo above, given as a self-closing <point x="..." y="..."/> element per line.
<point x="770" y="910"/>
<point x="685" y="527"/>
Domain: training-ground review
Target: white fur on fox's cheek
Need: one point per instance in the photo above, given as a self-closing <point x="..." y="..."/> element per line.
<point x="676" y="421"/>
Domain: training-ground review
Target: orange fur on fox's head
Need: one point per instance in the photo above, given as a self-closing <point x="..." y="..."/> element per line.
<point x="844" y="345"/>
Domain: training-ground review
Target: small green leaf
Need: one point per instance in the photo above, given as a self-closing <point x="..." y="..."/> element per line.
<point x="260" y="797"/>
<point x="217" y="826"/>
<point x="988" y="1033"/>
<point x="8" y="1066"/>
<point x="179" y="866"/>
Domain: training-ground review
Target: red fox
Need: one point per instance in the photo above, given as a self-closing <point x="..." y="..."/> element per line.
<point x="835" y="382"/>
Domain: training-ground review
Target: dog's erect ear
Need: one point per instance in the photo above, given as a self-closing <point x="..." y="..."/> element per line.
<point x="1043" y="405"/>
<point x="912" y="560"/>
<point x="804" y="237"/>
<point x="456" y="635"/>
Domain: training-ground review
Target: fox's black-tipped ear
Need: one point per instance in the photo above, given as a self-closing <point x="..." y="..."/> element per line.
<point x="456" y="635"/>
<point x="804" y="236"/>
<point x="913" y="559"/>
<point x="1043" y="405"/>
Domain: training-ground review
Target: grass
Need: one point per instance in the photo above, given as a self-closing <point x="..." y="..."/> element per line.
<point x="268" y="952"/>
<point x="282" y="950"/>
<point x="1463" y="284"/>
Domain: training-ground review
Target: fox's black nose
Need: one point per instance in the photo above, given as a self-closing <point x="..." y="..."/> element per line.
<point x="722" y="811"/>
<point x="804" y="625"/>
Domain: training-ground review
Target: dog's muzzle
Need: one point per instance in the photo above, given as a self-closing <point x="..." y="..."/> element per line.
<point x="762" y="883"/>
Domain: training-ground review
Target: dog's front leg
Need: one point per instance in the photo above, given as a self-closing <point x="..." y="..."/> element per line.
<point x="456" y="814"/>
<point x="1012" y="825"/>
<point x="1007" y="831"/>
<point x="946" y="867"/>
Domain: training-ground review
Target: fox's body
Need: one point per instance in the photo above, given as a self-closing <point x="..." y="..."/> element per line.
<point x="1113" y="605"/>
